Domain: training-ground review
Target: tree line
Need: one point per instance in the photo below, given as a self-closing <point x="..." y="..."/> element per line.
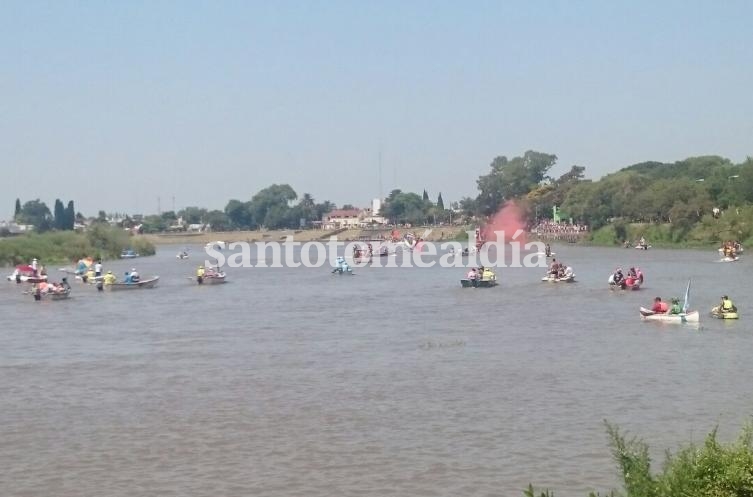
<point x="681" y="195"/>
<point x="37" y="214"/>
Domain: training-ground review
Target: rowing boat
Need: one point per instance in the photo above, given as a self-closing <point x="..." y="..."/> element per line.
<point x="568" y="278"/>
<point x="211" y="279"/>
<point x="56" y="295"/>
<point x="147" y="283"/>
<point x="466" y="283"/>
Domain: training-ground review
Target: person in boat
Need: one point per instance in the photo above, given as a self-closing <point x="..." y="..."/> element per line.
<point x="642" y="242"/>
<point x="98" y="269"/>
<point x="554" y="267"/>
<point x="727" y="305"/>
<point x="64" y="284"/>
<point x="632" y="273"/>
<point x="135" y="278"/>
<point x="109" y="278"/>
<point x="618" y="278"/>
<point x="473" y="276"/>
<point x="676" y="307"/>
<point x="200" y="274"/>
<point x="34" y="267"/>
<point x="466" y="251"/>
<point x="371" y="249"/>
<point x="488" y="275"/>
<point x="548" y="250"/>
<point x="659" y="306"/>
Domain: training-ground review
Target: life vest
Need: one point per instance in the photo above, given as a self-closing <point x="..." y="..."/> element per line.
<point x="727" y="305"/>
<point x="663" y="307"/>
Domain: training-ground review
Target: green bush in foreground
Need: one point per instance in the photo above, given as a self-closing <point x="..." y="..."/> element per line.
<point x="712" y="469"/>
<point x="101" y="241"/>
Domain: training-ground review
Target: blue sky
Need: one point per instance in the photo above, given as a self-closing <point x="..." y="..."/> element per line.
<point x="114" y="104"/>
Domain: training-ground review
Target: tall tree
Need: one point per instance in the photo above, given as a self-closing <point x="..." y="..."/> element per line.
<point x="425" y="196"/>
<point x="17" y="212"/>
<point x="59" y="215"/>
<point x="70" y="216"/>
<point x="440" y="202"/>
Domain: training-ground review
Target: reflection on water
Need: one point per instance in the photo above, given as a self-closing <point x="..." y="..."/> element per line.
<point x="293" y="382"/>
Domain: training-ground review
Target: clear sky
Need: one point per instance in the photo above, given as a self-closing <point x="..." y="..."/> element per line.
<point x="114" y="104"/>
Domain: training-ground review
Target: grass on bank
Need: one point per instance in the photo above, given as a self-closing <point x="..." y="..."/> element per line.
<point x="713" y="469"/>
<point x="100" y="241"/>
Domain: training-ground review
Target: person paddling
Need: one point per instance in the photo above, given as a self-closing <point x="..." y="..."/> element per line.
<point x="659" y="306"/>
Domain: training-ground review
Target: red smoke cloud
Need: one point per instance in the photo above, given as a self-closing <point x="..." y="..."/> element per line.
<point x="508" y="219"/>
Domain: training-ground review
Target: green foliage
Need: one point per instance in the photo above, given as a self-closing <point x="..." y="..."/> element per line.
<point x="510" y="179"/>
<point x="37" y="214"/>
<point x="401" y="207"/>
<point x="65" y="246"/>
<point x="713" y="469"/>
<point x="17" y="210"/>
<point x="440" y="202"/>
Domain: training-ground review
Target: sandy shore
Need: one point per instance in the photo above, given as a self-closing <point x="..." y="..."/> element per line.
<point x="436" y="234"/>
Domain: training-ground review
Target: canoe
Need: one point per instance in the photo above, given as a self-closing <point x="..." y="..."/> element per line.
<point x="690" y="317"/>
<point x="147" y="283"/>
<point x="466" y="283"/>
<point x="642" y="247"/>
<point x="564" y="279"/>
<point x="211" y="279"/>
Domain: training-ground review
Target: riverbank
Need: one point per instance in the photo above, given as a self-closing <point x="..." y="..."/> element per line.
<point x="432" y="234"/>
<point x="63" y="247"/>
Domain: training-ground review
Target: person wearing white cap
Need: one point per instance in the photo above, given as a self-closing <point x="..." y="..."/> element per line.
<point x="134" y="275"/>
<point x="34" y="266"/>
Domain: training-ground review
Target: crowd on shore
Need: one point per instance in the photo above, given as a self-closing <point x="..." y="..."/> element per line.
<point x="557" y="230"/>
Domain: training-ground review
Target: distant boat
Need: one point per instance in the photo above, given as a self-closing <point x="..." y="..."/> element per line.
<point x="128" y="254"/>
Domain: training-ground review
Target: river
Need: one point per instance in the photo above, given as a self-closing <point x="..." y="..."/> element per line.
<point x="393" y="382"/>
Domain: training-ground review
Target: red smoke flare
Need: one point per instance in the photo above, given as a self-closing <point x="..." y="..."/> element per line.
<point x="508" y="219"/>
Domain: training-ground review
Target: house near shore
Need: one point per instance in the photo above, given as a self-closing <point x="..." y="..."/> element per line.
<point x="353" y="218"/>
<point x="15" y="229"/>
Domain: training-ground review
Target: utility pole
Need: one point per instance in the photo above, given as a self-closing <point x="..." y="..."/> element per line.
<point x="159" y="207"/>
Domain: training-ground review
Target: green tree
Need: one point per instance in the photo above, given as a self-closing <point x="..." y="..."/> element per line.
<point x="425" y="196"/>
<point x="239" y="214"/>
<point x="270" y="206"/>
<point x="70" y="216"/>
<point x="513" y="178"/>
<point x="17" y="211"/>
<point x="440" y="202"/>
<point x="37" y="214"/>
<point x="217" y="220"/>
<point x="58" y="221"/>
<point x="193" y="215"/>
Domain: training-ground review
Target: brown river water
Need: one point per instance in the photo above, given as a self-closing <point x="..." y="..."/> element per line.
<point x="393" y="382"/>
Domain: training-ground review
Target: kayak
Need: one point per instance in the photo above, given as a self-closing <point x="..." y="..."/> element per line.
<point x="729" y="259"/>
<point x="723" y="315"/>
<point x="627" y="284"/>
<point x="689" y="317"/>
<point x="642" y="247"/>
<point x="56" y="295"/>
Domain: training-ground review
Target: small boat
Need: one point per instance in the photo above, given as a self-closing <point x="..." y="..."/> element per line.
<point x="683" y="317"/>
<point x="628" y="283"/>
<point x="56" y="295"/>
<point x="642" y="247"/>
<point x="686" y="316"/>
<point x="182" y="255"/>
<point x="719" y="314"/>
<point x="218" y="245"/>
<point x="128" y="254"/>
<point x="729" y="259"/>
<point x="211" y="278"/>
<point x="146" y="283"/>
<point x="568" y="277"/>
<point x="25" y="274"/>
<point x="466" y="283"/>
